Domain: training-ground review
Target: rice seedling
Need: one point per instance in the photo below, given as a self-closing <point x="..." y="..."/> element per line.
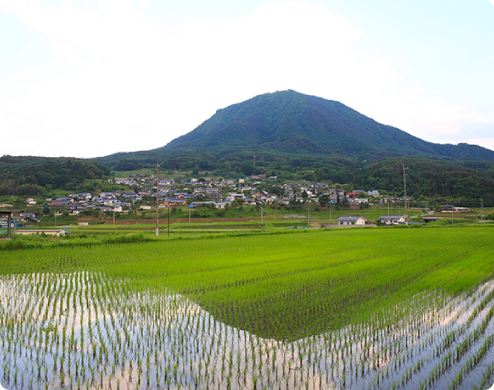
<point x="302" y="312"/>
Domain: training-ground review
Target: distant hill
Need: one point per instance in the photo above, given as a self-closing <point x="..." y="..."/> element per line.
<point x="291" y="122"/>
<point x="28" y="175"/>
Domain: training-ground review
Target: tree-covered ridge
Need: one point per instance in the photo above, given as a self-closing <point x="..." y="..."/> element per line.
<point x="289" y="121"/>
<point x="430" y="178"/>
<point x="27" y="174"/>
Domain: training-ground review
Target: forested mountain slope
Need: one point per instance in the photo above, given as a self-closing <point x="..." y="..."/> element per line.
<point x="291" y="122"/>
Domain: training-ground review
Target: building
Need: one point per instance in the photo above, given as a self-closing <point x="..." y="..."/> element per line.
<point x="352" y="220"/>
<point x="392" y="219"/>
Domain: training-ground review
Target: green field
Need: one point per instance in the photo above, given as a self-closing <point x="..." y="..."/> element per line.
<point x="305" y="291"/>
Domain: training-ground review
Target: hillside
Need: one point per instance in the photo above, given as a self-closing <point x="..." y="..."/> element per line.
<point x="30" y="175"/>
<point x="291" y="122"/>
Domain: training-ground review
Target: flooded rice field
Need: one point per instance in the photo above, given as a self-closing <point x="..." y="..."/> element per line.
<point x="84" y="331"/>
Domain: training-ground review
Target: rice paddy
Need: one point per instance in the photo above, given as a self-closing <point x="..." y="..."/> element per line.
<point x="353" y="309"/>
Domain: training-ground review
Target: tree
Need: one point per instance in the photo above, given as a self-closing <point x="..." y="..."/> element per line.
<point x="324" y="200"/>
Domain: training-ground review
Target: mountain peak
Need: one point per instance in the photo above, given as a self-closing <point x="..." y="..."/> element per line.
<point x="291" y="122"/>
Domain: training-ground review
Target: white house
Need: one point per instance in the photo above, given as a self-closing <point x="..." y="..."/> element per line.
<point x="352" y="220"/>
<point x="233" y="197"/>
<point x="392" y="219"/>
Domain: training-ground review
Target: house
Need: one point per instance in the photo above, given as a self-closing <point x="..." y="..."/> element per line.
<point x="106" y="195"/>
<point x="121" y="180"/>
<point x="352" y="220"/>
<point x="109" y="202"/>
<point x="391" y="219"/>
<point x="130" y="195"/>
<point x="180" y="195"/>
<point x="28" y="215"/>
<point x="76" y="208"/>
<point x="215" y="194"/>
<point x="450" y="208"/>
<point x="30" y="201"/>
<point x="284" y="201"/>
<point x="81" y="196"/>
<point x="57" y="203"/>
<point x="174" y="202"/>
<point x="354" y="194"/>
<point x="233" y="197"/>
<point x="65" y="199"/>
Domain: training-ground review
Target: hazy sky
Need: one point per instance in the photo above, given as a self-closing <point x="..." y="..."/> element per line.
<point x="94" y="77"/>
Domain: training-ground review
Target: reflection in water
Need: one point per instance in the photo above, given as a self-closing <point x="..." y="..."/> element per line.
<point x="82" y="330"/>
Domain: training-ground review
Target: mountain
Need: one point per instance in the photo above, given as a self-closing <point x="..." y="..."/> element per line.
<point x="291" y="122"/>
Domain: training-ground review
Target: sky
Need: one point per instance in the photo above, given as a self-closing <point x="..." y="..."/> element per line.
<point x="95" y="77"/>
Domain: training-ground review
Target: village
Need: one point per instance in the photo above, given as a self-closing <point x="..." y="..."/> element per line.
<point x="137" y="193"/>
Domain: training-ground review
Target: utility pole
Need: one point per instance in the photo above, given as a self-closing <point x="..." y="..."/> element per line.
<point x="330" y="211"/>
<point x="481" y="209"/>
<point x="405" y="185"/>
<point x="113" y="216"/>
<point x="452" y="214"/>
<point x="308" y="216"/>
<point x="157" y="199"/>
<point x="189" y="215"/>
<point x="261" y="214"/>
<point x="168" y="207"/>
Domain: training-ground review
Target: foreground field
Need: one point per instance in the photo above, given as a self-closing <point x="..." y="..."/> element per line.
<point x="358" y="308"/>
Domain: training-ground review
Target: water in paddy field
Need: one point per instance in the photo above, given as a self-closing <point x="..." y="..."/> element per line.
<point x="84" y="331"/>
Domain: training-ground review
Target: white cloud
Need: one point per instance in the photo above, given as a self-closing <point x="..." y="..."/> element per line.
<point x="126" y="83"/>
